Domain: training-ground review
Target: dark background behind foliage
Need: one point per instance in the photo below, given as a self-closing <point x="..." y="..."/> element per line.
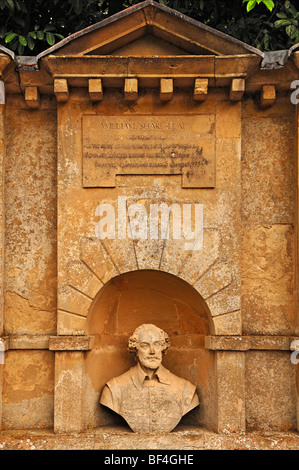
<point x="30" y="26"/>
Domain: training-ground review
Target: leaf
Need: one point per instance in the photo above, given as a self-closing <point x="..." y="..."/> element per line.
<point x="17" y="5"/>
<point x="50" y="39"/>
<point x="279" y="23"/>
<point x="281" y="15"/>
<point x="30" y="42"/>
<point x="22" y="40"/>
<point x="250" y="5"/>
<point x="32" y="34"/>
<point x="10" y="5"/>
<point x="49" y="28"/>
<point x="19" y="21"/>
<point x="77" y="7"/>
<point x="269" y="4"/>
<point x="10" y="37"/>
<point x="20" y="49"/>
<point x="40" y="35"/>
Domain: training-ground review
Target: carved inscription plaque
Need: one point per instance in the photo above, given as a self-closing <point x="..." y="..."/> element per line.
<point x="149" y="145"/>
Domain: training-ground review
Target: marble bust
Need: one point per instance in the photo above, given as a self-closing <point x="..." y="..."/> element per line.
<point x="148" y="396"/>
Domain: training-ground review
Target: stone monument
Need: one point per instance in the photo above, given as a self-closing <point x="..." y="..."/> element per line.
<point x="148" y="396"/>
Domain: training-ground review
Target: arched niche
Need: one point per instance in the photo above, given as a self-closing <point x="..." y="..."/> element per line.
<point x="148" y="296"/>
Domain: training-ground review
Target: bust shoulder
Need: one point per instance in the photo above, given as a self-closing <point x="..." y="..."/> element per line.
<point x="123" y="378"/>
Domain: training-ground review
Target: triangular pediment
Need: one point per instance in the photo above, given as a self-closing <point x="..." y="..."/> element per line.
<point x="149" y="29"/>
<point x="149" y="45"/>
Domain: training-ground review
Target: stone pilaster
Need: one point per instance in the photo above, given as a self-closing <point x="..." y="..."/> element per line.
<point x="230" y="370"/>
<point x="69" y="375"/>
<point x="2" y="234"/>
<point x="297" y="253"/>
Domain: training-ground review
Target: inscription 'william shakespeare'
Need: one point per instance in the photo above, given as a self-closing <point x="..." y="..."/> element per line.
<point x="143" y="145"/>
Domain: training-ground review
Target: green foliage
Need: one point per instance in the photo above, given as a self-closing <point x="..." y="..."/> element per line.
<point x="289" y="21"/>
<point x="18" y="42"/>
<point x="28" y="27"/>
<point x="252" y="3"/>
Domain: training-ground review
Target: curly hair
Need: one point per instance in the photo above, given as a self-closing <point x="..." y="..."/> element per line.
<point x="134" y="338"/>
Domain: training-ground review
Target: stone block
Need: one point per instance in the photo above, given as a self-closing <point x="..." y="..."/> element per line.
<point x="218" y="277"/>
<point x="268" y="95"/>
<point x="201" y="86"/>
<point x="70" y="324"/>
<point x="228" y="324"/>
<point x="267" y="299"/>
<point x="269" y="198"/>
<point x="192" y="264"/>
<point x="95" y="89"/>
<point x="149" y="253"/>
<point x="28" y="383"/>
<point x="166" y="89"/>
<point x="23" y="318"/>
<point x="123" y="254"/>
<point x="83" y="279"/>
<point x="61" y="89"/>
<point x="73" y="301"/>
<point x="228" y="122"/>
<point x="32" y="97"/>
<point x="94" y="255"/>
<point x="223" y="302"/>
<point x="237" y="89"/>
<point x="270" y="391"/>
<point x="131" y="89"/>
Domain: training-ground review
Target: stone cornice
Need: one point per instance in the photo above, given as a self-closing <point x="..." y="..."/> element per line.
<point x="212" y="342"/>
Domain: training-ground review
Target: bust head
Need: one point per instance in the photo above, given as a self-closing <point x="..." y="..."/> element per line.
<point x="148" y="343"/>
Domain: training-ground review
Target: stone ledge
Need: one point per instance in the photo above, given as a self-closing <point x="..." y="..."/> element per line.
<point x="70" y="343"/>
<point x="28" y="341"/>
<point x="227" y="343"/>
<point x="247" y="343"/>
<point x="118" y="438"/>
